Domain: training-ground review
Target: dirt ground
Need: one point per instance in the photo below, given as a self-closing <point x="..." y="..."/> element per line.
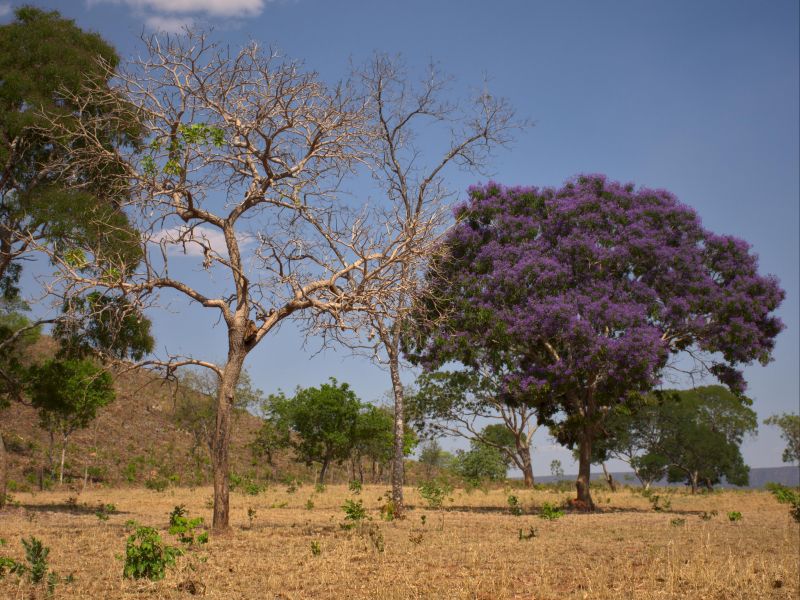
<point x="292" y="546"/>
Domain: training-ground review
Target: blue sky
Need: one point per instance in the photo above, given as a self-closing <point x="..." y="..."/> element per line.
<point x="700" y="98"/>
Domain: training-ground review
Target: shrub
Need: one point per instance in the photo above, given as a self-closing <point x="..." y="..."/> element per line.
<point x="434" y="492"/>
<point x="514" y="506"/>
<point x="354" y="513"/>
<point x="786" y="495"/>
<point x="182" y="526"/>
<point x="35" y="568"/>
<point x="147" y="556"/>
<point x="734" y="516"/>
<point x="157" y="484"/>
<point x="355" y="486"/>
<point x="551" y="512"/>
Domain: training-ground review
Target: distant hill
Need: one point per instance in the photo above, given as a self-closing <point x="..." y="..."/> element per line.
<point x="758" y="477"/>
<point x="135" y="441"/>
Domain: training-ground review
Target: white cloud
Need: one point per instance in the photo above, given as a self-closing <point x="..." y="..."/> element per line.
<point x="212" y="8"/>
<point x="168" y="24"/>
<point x="5" y="9"/>
<point x="196" y="243"/>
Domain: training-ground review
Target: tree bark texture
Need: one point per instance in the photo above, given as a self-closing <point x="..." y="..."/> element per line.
<point x="524" y="453"/>
<point x="585" y="468"/>
<point x="226" y="396"/>
<point x="398" y="467"/>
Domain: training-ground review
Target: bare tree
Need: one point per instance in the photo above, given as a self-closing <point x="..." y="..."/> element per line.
<point x="242" y="159"/>
<point x="413" y="181"/>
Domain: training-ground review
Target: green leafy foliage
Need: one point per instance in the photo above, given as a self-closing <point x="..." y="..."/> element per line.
<point x="105" y="325"/>
<point x="514" y="506"/>
<point x="550" y="512"/>
<point x="481" y="463"/>
<point x="35" y="570"/>
<point x="789" y="424"/>
<point x="734" y="516"/>
<point x="43" y="55"/>
<point x="690" y="435"/>
<point x="185" y="528"/>
<point x="354" y="513"/>
<point x="147" y="556"/>
<point x="434" y="492"/>
<point x="324" y="421"/>
<point x="787" y="495"/>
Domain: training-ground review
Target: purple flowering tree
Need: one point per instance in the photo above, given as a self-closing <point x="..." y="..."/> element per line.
<point x="582" y="296"/>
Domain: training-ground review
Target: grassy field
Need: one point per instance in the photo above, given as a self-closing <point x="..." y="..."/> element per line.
<point x="472" y="549"/>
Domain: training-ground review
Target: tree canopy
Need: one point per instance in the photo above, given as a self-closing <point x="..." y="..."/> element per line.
<point x="581" y="294"/>
<point x="789" y="425"/>
<point x="44" y="59"/>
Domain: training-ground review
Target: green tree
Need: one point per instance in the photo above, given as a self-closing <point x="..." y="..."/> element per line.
<point x="68" y="394"/>
<point x="691" y="435"/>
<point x="375" y="440"/>
<point x="44" y="60"/>
<point x="480" y="463"/>
<point x="323" y="422"/>
<point x="433" y="457"/>
<point x="790" y="432"/>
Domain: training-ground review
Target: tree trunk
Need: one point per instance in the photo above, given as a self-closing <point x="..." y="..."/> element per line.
<point x="524" y="453"/>
<point x="585" y="469"/>
<point x="322" y="471"/>
<point x="3" y="472"/>
<point x="609" y="479"/>
<point x="51" y="455"/>
<point x="226" y="396"/>
<point x="693" y="477"/>
<point x="63" y="457"/>
<point x="398" y="467"/>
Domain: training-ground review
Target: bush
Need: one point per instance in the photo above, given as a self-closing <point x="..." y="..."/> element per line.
<point x="514" y="506"/>
<point x="147" y="556"/>
<point x="35" y="568"/>
<point x="158" y="484"/>
<point x="182" y="526"/>
<point x="786" y="495"/>
<point x="434" y="492"/>
<point x="355" y="486"/>
<point x="354" y="513"/>
<point x="551" y="512"/>
<point x="734" y="516"/>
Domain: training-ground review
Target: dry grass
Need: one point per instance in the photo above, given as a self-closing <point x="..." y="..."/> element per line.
<point x="471" y="550"/>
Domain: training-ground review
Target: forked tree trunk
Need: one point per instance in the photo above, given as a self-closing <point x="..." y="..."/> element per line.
<point x="398" y="468"/>
<point x="226" y="396"/>
<point x="3" y="472"/>
<point x="585" y="468"/>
